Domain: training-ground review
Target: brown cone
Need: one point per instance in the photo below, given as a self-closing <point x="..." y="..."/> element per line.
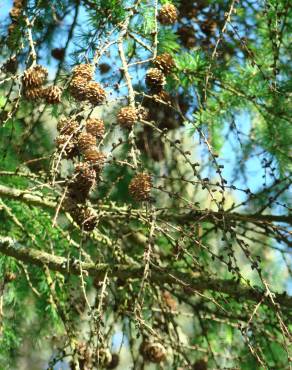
<point x="167" y="14"/>
<point x="127" y="117"/>
<point x="15" y="13"/>
<point x="11" y="65"/>
<point x="52" y="94"/>
<point x="95" y="158"/>
<point x="67" y="126"/>
<point x="153" y="352"/>
<point x="77" y="88"/>
<point x="155" y="79"/>
<point x="67" y="145"/>
<point x="114" y="362"/>
<point x="165" y="63"/>
<point x="58" y="53"/>
<point x="95" y="127"/>
<point x="84" y="71"/>
<point x="86" y="141"/>
<point x="86" y="219"/>
<point x="140" y="186"/>
<point x="34" y="93"/>
<point x="103" y="358"/>
<point x="34" y="76"/>
<point x="82" y="182"/>
<point x="94" y="93"/>
<point x="187" y="36"/>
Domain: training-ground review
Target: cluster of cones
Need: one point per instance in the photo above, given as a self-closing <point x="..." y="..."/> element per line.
<point x="83" y="88"/>
<point x="15" y="15"/>
<point x="33" y="81"/>
<point x="72" y="143"/>
<point x="99" y="358"/>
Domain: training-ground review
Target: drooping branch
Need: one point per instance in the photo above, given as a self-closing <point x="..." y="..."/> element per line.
<point x="158" y="275"/>
<point x="198" y="215"/>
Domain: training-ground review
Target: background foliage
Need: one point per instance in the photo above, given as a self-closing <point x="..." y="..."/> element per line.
<point x="201" y="269"/>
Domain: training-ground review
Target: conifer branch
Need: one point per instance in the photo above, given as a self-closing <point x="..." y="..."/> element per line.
<point x="194" y="282"/>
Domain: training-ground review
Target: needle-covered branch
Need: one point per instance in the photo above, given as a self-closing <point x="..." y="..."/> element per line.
<point x="190" y="282"/>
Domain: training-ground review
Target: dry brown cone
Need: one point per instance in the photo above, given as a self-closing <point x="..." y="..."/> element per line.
<point x="200" y="365"/>
<point x="95" y="158"/>
<point x="19" y="3"/>
<point x="94" y="93"/>
<point x="155" y="79"/>
<point x="169" y="300"/>
<point x="9" y="276"/>
<point x="15" y="13"/>
<point x="87" y="219"/>
<point x="164" y="62"/>
<point x="104" y="68"/>
<point x="114" y="362"/>
<point x="95" y="127"/>
<point x="58" y="53"/>
<point x="209" y="26"/>
<point x="34" y="93"/>
<point x="52" y="95"/>
<point x="82" y="182"/>
<point x="77" y="88"/>
<point x="163" y="96"/>
<point x="34" y="76"/>
<point x="153" y="352"/>
<point x="86" y="141"/>
<point x="84" y="71"/>
<point x="127" y="117"/>
<point x="11" y="65"/>
<point x="140" y="186"/>
<point x="67" y="145"/>
<point x="103" y="358"/>
<point x="187" y="36"/>
<point x="67" y="126"/>
<point x="168" y="14"/>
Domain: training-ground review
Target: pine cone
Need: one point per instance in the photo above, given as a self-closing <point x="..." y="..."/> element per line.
<point x="67" y="145"/>
<point x="86" y="141"/>
<point x="86" y="219"/>
<point x="209" y="26"/>
<point x="19" y="3"/>
<point x="187" y="36"/>
<point x="67" y="126"/>
<point x="15" y="13"/>
<point x="167" y="14"/>
<point x="34" y="93"/>
<point x="77" y="88"/>
<point x="103" y="358"/>
<point x="140" y="186"/>
<point x="34" y="76"/>
<point x="114" y="362"/>
<point x="95" y="158"/>
<point x="127" y="117"/>
<point x="155" y="79"/>
<point x="84" y="71"/>
<point x="82" y="182"/>
<point x="163" y="96"/>
<point x="95" y="127"/>
<point x="165" y="63"/>
<point x="94" y="93"/>
<point x="200" y="365"/>
<point x="169" y="300"/>
<point x="58" y="53"/>
<point x="52" y="94"/>
<point x="104" y="68"/>
<point x="153" y="352"/>
<point x="11" y="65"/>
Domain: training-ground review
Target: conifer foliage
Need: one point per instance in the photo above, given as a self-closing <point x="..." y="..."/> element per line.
<point x="144" y="184"/>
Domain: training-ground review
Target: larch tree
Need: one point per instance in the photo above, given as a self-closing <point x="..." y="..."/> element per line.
<point x="145" y="171"/>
